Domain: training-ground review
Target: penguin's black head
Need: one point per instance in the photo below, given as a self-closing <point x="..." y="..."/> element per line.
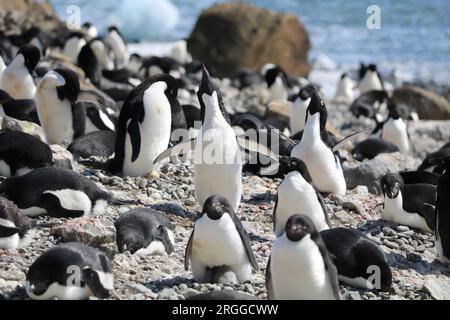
<point x="206" y="85"/>
<point x="298" y="226"/>
<point x="129" y="240"/>
<point x="391" y="185"/>
<point x="87" y="25"/>
<point x="31" y="56"/>
<point x="372" y="67"/>
<point x="274" y="72"/>
<point x="306" y="91"/>
<point x="317" y="105"/>
<point x="344" y="75"/>
<point x="116" y="29"/>
<point x="293" y="164"/>
<point x="31" y="33"/>
<point x="75" y="34"/>
<point x="216" y="206"/>
<point x="394" y="111"/>
<point x="71" y="88"/>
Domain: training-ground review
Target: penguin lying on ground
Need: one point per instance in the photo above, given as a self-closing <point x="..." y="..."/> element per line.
<point x="20" y="109"/>
<point x="296" y="194"/>
<point x="21" y="152"/>
<point x="57" y="192"/>
<point x="17" y="78"/>
<point x="144" y="231"/>
<point x="411" y="204"/>
<point x="70" y="271"/>
<point x="369" y="105"/>
<point x="442" y="230"/>
<point x="371" y="147"/>
<point x="97" y="143"/>
<point x="356" y="258"/>
<point x="16" y="230"/>
<point x="433" y="160"/>
<point x="300" y="267"/>
<point x="219" y="239"/>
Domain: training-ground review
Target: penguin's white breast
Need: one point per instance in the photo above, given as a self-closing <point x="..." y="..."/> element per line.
<point x="60" y="292"/>
<point x="395" y="131"/>
<point x="74" y="200"/>
<point x="217" y="242"/>
<point x="73" y="47"/>
<point x="277" y="89"/>
<point x="11" y="242"/>
<point x="18" y="83"/>
<point x="298" y="270"/>
<point x="298" y="114"/>
<point x="55" y="115"/>
<point x="295" y="195"/>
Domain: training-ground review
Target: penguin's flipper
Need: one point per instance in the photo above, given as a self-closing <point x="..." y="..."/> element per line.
<point x="253" y="146"/>
<point x="78" y="119"/>
<point x="329" y="267"/>
<point x="6" y="232"/>
<point x="163" y="236"/>
<point x="340" y="143"/>
<point x="135" y="138"/>
<point x="275" y="212"/>
<point x="188" y="252"/>
<point x="245" y="238"/>
<point x="324" y="208"/>
<point x="429" y="214"/>
<point x="180" y="148"/>
<point x="269" y="285"/>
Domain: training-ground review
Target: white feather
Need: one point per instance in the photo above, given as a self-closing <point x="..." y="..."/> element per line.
<point x="277" y="90"/>
<point x="12" y="242"/>
<point x="75" y="200"/>
<point x="298" y="114"/>
<point x="370" y="82"/>
<point x="395" y="131"/>
<point x="17" y="81"/>
<point x="73" y="47"/>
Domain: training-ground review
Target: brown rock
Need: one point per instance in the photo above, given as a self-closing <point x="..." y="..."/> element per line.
<point x="426" y="103"/>
<point x="232" y="36"/>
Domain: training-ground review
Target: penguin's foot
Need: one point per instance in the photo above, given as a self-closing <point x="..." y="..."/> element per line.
<point x="152" y="175"/>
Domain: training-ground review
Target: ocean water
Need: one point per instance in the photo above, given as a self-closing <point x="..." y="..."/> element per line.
<point x="414" y="37"/>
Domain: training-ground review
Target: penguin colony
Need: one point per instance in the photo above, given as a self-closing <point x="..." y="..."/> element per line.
<point x="117" y="112"/>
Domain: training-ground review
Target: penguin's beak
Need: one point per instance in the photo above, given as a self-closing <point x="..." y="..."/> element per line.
<point x="54" y="78"/>
<point x="206" y="85"/>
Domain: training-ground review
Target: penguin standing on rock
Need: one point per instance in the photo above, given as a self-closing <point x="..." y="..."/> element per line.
<point x="115" y="41"/>
<point x="300" y="267"/>
<point x="144" y="126"/>
<point x="17" y="78"/>
<point x="16" y="230"/>
<point x="58" y="193"/>
<point x="394" y="130"/>
<point x="323" y="164"/>
<point x="296" y="194"/>
<point x="371" y="80"/>
<point x="298" y="111"/>
<point x="21" y="152"/>
<point x="219" y="239"/>
<point x="61" y="117"/>
<point x="70" y="271"/>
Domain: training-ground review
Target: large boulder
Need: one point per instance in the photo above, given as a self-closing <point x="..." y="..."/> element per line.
<point x="426" y="103"/>
<point x="233" y="36"/>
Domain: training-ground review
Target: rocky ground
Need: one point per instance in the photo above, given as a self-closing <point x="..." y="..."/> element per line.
<point x="416" y="272"/>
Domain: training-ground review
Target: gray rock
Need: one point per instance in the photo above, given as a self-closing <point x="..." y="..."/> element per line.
<point x="438" y="288"/>
<point x="62" y="157"/>
<point x="368" y="173"/>
<point x="88" y="230"/>
<point x="8" y="123"/>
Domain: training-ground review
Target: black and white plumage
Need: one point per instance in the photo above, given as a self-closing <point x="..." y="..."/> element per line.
<point x="277" y="81"/>
<point x="16" y="230"/>
<point x="97" y="117"/>
<point x="61" y="117"/>
<point x="296" y="193"/>
<point x="56" y="192"/>
<point x="72" y="47"/>
<point x="442" y="230"/>
<point x="115" y="42"/>
<point x="394" y="129"/>
<point x="371" y="147"/>
<point x="97" y="143"/>
<point x="371" y="79"/>
<point x="322" y="162"/>
<point x="356" y="257"/>
<point x="219" y="239"/>
<point x="20" y="109"/>
<point x="144" y="126"/>
<point x="144" y="231"/>
<point x="21" y="152"/>
<point x="94" y="58"/>
<point x="300" y="104"/>
<point x="410" y="200"/>
<point x="432" y="161"/>
<point x="70" y="271"/>
<point x="369" y="104"/>
<point x="17" y="79"/>
<point x="300" y="267"/>
<point x="344" y="89"/>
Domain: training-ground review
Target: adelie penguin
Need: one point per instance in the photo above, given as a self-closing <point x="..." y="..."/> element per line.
<point x="394" y="130"/>
<point x="410" y="199"/>
<point x="144" y="126"/>
<point x="322" y="162"/>
<point x="115" y="41"/>
<point x="433" y="161"/>
<point x="370" y="148"/>
<point x="219" y="240"/>
<point x="371" y="80"/>
<point x="296" y="194"/>
<point x="58" y="193"/>
<point x="300" y="267"/>
<point x="20" y="153"/>
<point x="72" y="47"/>
<point x="62" y="119"/>
<point x="94" y="58"/>
<point x="298" y="111"/>
<point x="21" y="109"/>
<point x="277" y="81"/>
<point x="344" y="89"/>
<point x="16" y="230"/>
<point x="17" y="79"/>
<point x="442" y="230"/>
<point x="70" y="271"/>
<point x="359" y="261"/>
<point x="144" y="231"/>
